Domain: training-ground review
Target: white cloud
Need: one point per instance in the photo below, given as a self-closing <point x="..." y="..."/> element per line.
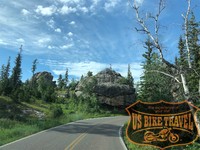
<point x="51" y="47"/>
<point x="42" y="42"/>
<point x="45" y="11"/>
<point x="139" y="2"/>
<point x="58" y="30"/>
<point x="20" y="41"/>
<point x="2" y="42"/>
<point x="95" y="2"/>
<point x="94" y="5"/>
<point x="25" y="12"/>
<point x="72" y="23"/>
<point x="70" y="34"/>
<point x="111" y="4"/>
<point x="67" y="10"/>
<point x="51" y="23"/>
<point x="70" y="1"/>
<point x="67" y="46"/>
<point x="84" y="9"/>
<point x="81" y="68"/>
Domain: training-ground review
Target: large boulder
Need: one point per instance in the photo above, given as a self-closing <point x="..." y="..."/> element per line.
<point x="47" y="76"/>
<point x="109" y="88"/>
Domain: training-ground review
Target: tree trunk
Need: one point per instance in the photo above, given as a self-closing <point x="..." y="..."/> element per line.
<point x="199" y="87"/>
<point x="185" y="87"/>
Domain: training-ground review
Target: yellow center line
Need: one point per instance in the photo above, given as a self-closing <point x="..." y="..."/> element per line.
<point x="77" y="141"/>
<point x="80" y="137"/>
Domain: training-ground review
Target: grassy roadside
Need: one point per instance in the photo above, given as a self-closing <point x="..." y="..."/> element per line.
<point x="131" y="146"/>
<point x="13" y="126"/>
<point x="11" y="130"/>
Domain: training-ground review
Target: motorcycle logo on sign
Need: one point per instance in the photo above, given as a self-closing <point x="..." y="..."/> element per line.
<point x="162" y="124"/>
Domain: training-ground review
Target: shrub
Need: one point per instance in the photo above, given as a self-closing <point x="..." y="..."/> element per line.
<point x="56" y="111"/>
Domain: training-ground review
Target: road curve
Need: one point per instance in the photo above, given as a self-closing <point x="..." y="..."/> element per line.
<point x="91" y="134"/>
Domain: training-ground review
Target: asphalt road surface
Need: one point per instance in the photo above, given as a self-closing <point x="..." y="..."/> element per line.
<point x="92" y="134"/>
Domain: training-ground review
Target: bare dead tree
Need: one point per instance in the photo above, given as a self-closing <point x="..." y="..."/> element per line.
<point x="186" y="33"/>
<point x="153" y="35"/>
<point x="185" y="17"/>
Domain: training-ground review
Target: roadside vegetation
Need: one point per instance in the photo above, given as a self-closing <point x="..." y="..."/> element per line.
<point x="40" y="103"/>
<point x="39" y="116"/>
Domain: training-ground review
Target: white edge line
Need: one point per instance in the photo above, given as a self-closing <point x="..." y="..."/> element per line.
<point x="50" y="129"/>
<point x="121" y="139"/>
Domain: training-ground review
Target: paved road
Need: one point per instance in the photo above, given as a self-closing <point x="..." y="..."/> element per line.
<point x="94" y="134"/>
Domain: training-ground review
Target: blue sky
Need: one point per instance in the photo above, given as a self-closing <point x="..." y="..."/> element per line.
<point x="83" y="35"/>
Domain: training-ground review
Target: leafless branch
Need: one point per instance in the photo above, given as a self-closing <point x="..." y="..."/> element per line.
<point x="147" y="31"/>
<point x="169" y="75"/>
<point x="186" y="33"/>
<point x="161" y="8"/>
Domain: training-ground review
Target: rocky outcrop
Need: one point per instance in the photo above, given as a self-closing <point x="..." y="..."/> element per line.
<point x="109" y="87"/>
<point x="47" y="76"/>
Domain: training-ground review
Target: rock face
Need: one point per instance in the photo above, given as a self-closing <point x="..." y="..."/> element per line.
<point x="48" y="77"/>
<point x="109" y="87"/>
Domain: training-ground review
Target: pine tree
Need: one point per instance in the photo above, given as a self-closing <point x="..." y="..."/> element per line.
<point x="16" y="73"/>
<point x="182" y="52"/>
<point x="89" y="74"/>
<point x="130" y="77"/>
<point x="193" y="36"/>
<point x="34" y="66"/>
<point x="66" y="80"/>
<point x="4" y="80"/>
<point x="46" y="89"/>
<point x="148" y="55"/>
<point x="15" y="79"/>
<point x="153" y="84"/>
<point x="193" y="40"/>
<point x="61" y="82"/>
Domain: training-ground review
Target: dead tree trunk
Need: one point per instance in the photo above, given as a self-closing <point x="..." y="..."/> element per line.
<point x="155" y="40"/>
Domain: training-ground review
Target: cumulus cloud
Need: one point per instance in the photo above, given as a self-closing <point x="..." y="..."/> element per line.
<point x="20" y="41"/>
<point x="58" y="30"/>
<point x="95" y="2"/>
<point x="51" y="47"/>
<point x="67" y="46"/>
<point x="139" y="2"/>
<point x="70" y="34"/>
<point x="78" y="69"/>
<point x="72" y="23"/>
<point x="94" y="5"/>
<point x="110" y="4"/>
<point x="67" y="10"/>
<point x="25" y="12"/>
<point x="2" y="42"/>
<point x="51" y="23"/>
<point x="45" y="11"/>
<point x="69" y="1"/>
<point x="84" y="9"/>
<point x="42" y="42"/>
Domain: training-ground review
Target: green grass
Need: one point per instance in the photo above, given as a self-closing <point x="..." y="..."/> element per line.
<point x="12" y="129"/>
<point x="39" y="107"/>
